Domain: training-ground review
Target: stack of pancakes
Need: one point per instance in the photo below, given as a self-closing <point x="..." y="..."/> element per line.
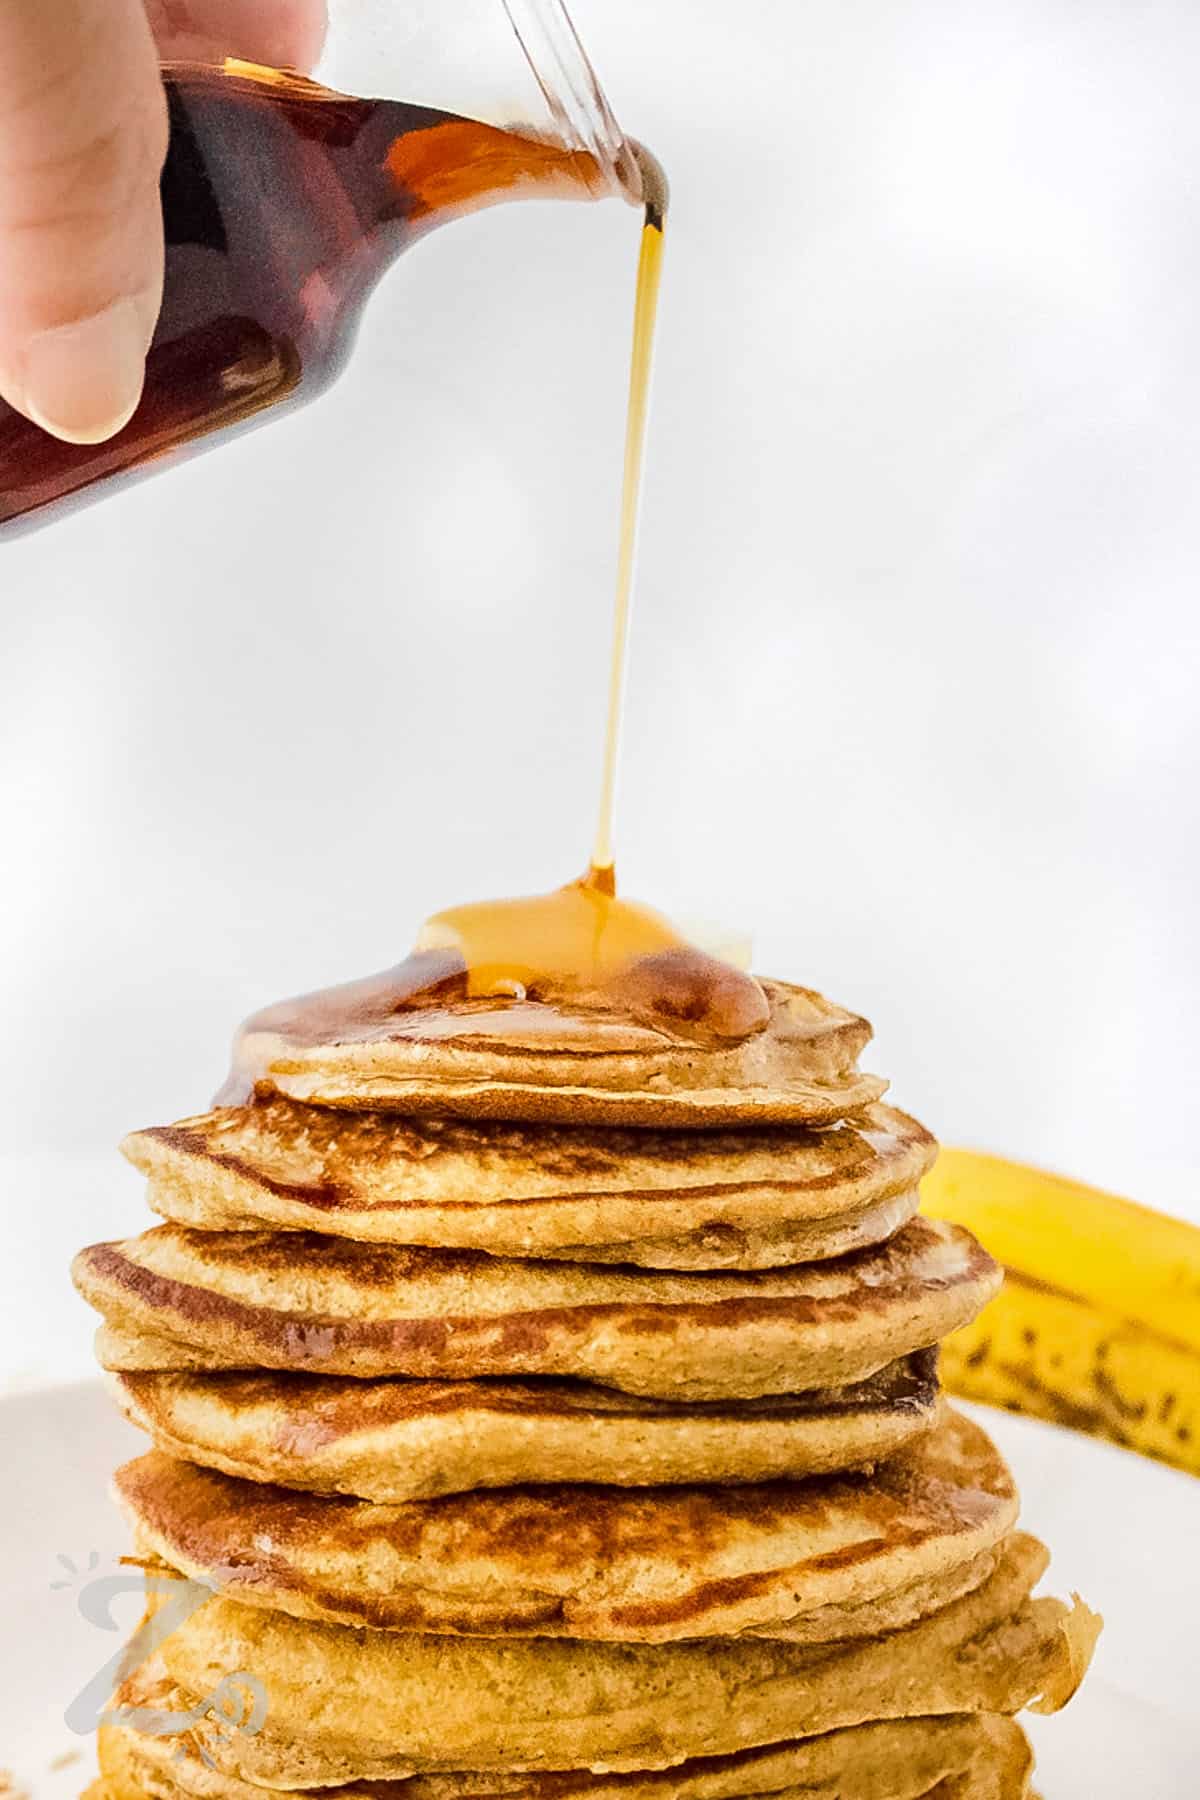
<point x="550" y="1403"/>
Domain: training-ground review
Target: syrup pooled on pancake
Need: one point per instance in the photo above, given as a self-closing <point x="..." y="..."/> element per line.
<point x="556" y="970"/>
<point x="585" y="1009"/>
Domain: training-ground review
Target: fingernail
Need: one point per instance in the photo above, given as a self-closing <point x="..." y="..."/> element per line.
<point x="83" y="381"/>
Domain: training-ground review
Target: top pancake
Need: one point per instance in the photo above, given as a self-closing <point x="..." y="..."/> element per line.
<point x="661" y="1199"/>
<point x="393" y="1044"/>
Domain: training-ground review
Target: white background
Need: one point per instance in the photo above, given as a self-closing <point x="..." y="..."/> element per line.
<point x="914" y="667"/>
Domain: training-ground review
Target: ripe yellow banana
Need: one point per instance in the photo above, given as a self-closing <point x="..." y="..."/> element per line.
<point x="1098" y="1323"/>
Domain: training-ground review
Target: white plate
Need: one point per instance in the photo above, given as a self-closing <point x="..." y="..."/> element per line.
<point x="1125" y="1532"/>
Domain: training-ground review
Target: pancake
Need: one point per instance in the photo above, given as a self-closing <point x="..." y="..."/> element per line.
<point x="816" y="1560"/>
<point x="410" y="1042"/>
<point x="904" y="1759"/>
<point x="662" y="1199"/>
<point x="295" y="1300"/>
<point x="356" y="1704"/>
<point x="395" y="1441"/>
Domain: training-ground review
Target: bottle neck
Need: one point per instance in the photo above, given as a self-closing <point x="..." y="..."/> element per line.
<point x="446" y="168"/>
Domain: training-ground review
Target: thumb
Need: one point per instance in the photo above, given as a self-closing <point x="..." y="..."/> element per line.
<point x="82" y="141"/>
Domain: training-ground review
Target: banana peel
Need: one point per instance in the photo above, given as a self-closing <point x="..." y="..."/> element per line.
<point x="1097" y="1326"/>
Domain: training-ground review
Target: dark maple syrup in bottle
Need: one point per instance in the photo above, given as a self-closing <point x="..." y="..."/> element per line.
<point x="283" y="204"/>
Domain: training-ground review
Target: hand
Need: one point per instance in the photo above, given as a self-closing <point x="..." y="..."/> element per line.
<point x="82" y="138"/>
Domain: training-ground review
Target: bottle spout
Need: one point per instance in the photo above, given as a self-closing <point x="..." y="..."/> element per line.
<point x="577" y="103"/>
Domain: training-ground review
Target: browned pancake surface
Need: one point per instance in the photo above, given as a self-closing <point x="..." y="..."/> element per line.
<point x="525" y="1059"/>
<point x="177" y="1298"/>
<point x="593" y="1562"/>
<point x="902" y="1759"/>
<point x="369" y="1704"/>
<point x="394" y="1440"/>
<point x="661" y="1198"/>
